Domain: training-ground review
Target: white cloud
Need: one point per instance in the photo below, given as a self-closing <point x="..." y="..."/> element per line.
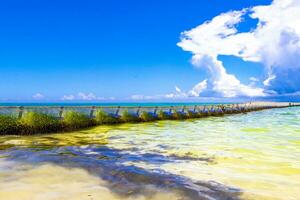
<point x="169" y="96"/>
<point x="177" y="89"/>
<point x="268" y="80"/>
<point x="275" y="42"/>
<point x="68" y="97"/>
<point x="179" y="92"/>
<point x="194" y="92"/>
<point x="175" y="95"/>
<point x="38" y="96"/>
<point x="254" y="79"/>
<point x="84" y="96"/>
<point x="141" y="97"/>
<point x="197" y="89"/>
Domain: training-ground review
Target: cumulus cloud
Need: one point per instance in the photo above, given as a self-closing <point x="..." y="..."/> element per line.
<point x="87" y="96"/>
<point x="68" y="97"/>
<point x="177" y="94"/>
<point x="38" y="96"/>
<point x="141" y="97"/>
<point x="274" y="42"/>
<point x="84" y="96"/>
<point x="194" y="92"/>
<point x="253" y="79"/>
<point x="198" y="89"/>
<point x="268" y="80"/>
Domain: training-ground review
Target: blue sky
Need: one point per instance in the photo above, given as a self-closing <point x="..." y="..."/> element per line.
<point x="107" y="48"/>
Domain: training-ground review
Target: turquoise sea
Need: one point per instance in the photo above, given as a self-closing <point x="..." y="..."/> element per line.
<point x="243" y="156"/>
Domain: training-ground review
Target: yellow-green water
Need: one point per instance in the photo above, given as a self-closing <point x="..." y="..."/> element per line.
<point x="244" y="156"/>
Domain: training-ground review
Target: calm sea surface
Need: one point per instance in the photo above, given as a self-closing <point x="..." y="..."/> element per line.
<point x="244" y="156"/>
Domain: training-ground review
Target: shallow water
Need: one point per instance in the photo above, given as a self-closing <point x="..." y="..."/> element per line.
<point x="244" y="156"/>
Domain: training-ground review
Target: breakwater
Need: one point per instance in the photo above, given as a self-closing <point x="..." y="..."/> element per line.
<point x="41" y="119"/>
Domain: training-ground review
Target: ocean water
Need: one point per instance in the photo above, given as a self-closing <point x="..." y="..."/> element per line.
<point x="244" y="156"/>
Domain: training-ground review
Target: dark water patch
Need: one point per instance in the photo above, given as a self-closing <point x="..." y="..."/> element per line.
<point x="116" y="137"/>
<point x="164" y="147"/>
<point x="132" y="155"/>
<point x="126" y="179"/>
<point x="191" y="157"/>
